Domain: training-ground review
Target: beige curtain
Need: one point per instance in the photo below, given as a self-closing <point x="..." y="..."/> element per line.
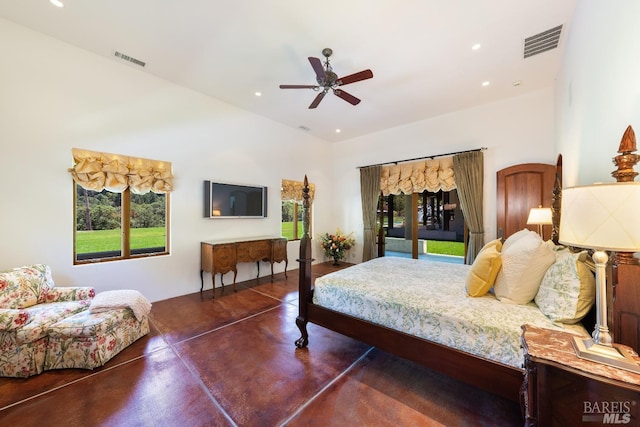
<point x="469" y="173"/>
<point x="369" y="191"/>
<point x="292" y="191"/>
<point x="114" y="172"/>
<point x="415" y="177"/>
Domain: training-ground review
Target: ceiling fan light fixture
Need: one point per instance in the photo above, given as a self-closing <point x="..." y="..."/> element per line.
<point x="328" y="80"/>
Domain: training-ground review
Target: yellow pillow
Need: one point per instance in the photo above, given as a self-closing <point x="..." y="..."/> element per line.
<point x="484" y="269"/>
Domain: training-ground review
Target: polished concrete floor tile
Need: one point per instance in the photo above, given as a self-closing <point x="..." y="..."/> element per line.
<point x="255" y="371"/>
<point x="190" y="315"/>
<point x="383" y="390"/>
<point x="280" y="287"/>
<point x="154" y="390"/>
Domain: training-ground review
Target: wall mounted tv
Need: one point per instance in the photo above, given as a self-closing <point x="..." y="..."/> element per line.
<point x="234" y="200"/>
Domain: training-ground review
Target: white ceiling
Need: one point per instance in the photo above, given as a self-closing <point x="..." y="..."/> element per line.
<point x="419" y="51"/>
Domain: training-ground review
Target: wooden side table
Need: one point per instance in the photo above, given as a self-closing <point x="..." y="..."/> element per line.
<point x="561" y="389"/>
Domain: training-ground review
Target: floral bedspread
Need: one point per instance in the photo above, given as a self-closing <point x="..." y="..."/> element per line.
<point x="428" y="299"/>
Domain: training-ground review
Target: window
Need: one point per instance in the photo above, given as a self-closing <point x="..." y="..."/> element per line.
<point x="101" y="233"/>
<point x="121" y="207"/>
<point x="292" y="220"/>
<point x="291" y="194"/>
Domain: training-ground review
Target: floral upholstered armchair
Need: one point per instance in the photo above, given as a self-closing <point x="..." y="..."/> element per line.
<point x="29" y="304"/>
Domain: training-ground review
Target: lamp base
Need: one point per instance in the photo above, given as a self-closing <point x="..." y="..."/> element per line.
<point x="613" y="356"/>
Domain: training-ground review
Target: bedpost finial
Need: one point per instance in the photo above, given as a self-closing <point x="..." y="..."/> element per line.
<point x="628" y="141"/>
<point x="626" y="160"/>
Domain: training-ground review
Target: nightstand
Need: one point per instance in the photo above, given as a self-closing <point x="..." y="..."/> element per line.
<point x="561" y="389"/>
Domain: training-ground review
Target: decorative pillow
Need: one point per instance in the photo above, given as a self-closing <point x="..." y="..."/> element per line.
<point x="23" y="286"/>
<point x="568" y="289"/>
<point x="524" y="263"/>
<point x="484" y="270"/>
<point x="524" y="233"/>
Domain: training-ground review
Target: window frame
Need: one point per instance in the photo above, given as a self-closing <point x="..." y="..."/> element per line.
<point x="125" y="223"/>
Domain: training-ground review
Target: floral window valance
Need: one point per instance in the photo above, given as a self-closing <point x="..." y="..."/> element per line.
<point x="415" y="177"/>
<point x="292" y="191"/>
<point x="114" y="172"/>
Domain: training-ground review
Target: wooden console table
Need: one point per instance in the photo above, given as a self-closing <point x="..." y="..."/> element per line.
<point x="562" y="390"/>
<point x="224" y="255"/>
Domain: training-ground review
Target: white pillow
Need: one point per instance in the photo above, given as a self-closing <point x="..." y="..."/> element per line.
<point x="524" y="263"/>
<point x="524" y="233"/>
<point x="568" y="289"/>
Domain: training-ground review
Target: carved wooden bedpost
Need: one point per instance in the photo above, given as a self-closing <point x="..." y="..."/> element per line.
<point x="381" y="241"/>
<point x="305" y="260"/>
<point x="625" y="162"/>
<point x="556" y="202"/>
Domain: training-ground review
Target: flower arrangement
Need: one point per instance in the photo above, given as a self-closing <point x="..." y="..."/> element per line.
<point x="336" y="245"/>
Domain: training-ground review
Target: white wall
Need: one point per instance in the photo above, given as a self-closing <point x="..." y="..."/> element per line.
<point x="598" y="89"/>
<point x="55" y="97"/>
<point x="516" y="130"/>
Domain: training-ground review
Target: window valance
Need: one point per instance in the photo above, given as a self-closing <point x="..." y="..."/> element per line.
<point x="292" y="191"/>
<point x="415" y="177"/>
<point x="114" y="172"/>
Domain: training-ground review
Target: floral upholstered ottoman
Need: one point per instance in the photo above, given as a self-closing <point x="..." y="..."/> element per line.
<point x="91" y="338"/>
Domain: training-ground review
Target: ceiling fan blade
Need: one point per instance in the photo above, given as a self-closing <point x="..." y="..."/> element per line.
<point x="316" y="63"/>
<point x="318" y="98"/>
<point x="356" y="77"/>
<point x="298" y="86"/>
<point x="346" y="96"/>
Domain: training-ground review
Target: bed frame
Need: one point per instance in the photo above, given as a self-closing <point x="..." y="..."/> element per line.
<point x="497" y="378"/>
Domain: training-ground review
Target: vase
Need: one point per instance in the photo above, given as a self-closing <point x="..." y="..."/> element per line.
<point x="336" y="260"/>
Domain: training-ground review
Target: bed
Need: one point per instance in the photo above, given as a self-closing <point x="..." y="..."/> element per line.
<point x="442" y="328"/>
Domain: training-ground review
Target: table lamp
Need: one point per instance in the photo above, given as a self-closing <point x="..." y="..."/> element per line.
<point x="540" y="216"/>
<point x="603" y="217"/>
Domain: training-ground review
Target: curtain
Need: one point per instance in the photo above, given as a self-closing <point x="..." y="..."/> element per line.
<point x="469" y="173"/>
<point x="369" y="192"/>
<point x="415" y="177"/>
<point x="114" y="172"/>
<point x="292" y="191"/>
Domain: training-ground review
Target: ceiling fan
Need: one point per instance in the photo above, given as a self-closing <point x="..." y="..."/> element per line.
<point x="328" y="80"/>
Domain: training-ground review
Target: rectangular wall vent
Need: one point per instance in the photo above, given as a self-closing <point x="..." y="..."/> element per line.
<point x="129" y="59"/>
<point x="542" y="42"/>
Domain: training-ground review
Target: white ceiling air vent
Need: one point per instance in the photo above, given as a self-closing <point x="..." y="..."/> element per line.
<point x="129" y="58"/>
<point x="542" y="42"/>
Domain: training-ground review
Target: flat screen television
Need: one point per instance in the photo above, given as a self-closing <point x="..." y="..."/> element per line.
<point x="234" y="200"/>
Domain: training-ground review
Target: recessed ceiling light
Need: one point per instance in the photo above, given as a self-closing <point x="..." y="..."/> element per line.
<point x="485" y="83"/>
<point x="476" y="46"/>
<point x="338" y="131"/>
<point x="56" y="3"/>
<point x="258" y="93"/>
<point x="517" y="83"/>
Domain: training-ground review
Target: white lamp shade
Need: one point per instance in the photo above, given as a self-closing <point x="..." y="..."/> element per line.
<point x="601" y="216"/>
<point x="539" y="216"/>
